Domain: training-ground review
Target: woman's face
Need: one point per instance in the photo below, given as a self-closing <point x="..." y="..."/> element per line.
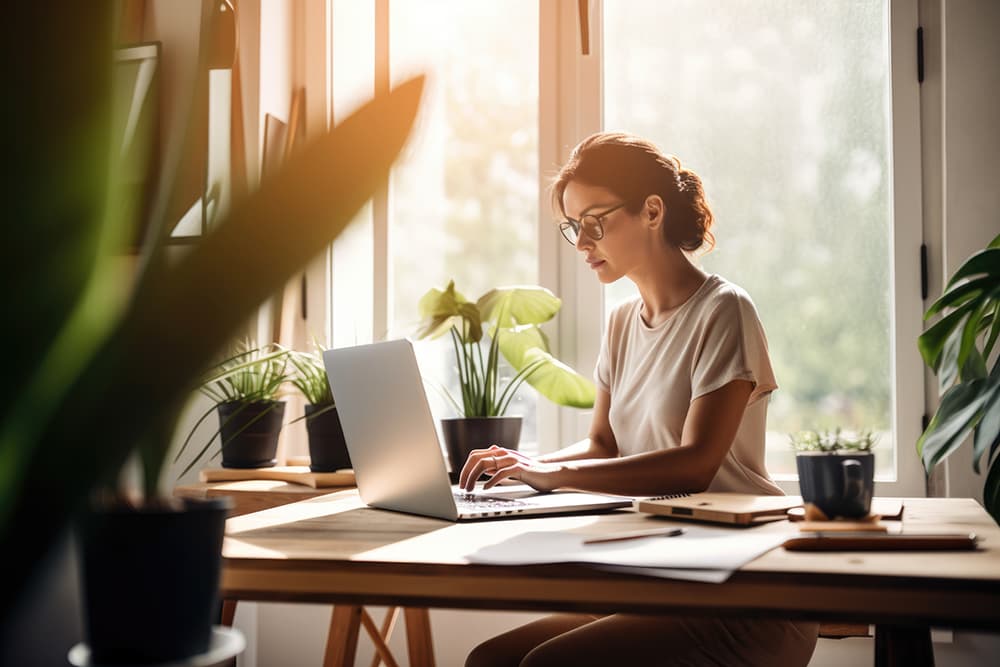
<point x="621" y="250"/>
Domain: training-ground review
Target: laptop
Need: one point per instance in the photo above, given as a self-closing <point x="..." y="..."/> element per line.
<point x="398" y="461"/>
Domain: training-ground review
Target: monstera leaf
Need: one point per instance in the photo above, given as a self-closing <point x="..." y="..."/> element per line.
<point x="970" y="398"/>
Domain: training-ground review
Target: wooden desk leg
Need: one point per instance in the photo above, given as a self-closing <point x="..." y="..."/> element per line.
<point x="897" y="646"/>
<point x="381" y="648"/>
<point x="228" y="613"/>
<point x="388" y="623"/>
<point x="342" y="640"/>
<point x="418" y="637"/>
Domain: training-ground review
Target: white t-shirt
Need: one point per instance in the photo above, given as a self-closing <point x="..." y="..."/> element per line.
<point x="653" y="373"/>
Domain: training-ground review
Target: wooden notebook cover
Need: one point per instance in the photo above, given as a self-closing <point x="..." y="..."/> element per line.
<point x="292" y="474"/>
<point x="730" y="508"/>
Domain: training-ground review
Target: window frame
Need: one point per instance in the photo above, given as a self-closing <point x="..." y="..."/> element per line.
<point x="578" y="95"/>
<point x="571" y="108"/>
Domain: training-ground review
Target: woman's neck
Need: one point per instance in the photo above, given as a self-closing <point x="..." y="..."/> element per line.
<point x="667" y="284"/>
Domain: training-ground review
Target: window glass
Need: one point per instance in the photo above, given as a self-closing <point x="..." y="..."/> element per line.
<point x="782" y="106"/>
<point x="464" y="196"/>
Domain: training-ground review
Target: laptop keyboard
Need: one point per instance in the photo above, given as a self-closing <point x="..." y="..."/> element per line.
<point x="479" y="502"/>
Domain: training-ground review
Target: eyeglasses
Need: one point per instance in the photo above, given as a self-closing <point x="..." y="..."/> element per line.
<point x="591" y="224"/>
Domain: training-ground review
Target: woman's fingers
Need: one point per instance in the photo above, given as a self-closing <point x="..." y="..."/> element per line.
<point x="479" y="461"/>
<point x="474" y="456"/>
<point x="502" y="474"/>
<point x="491" y="461"/>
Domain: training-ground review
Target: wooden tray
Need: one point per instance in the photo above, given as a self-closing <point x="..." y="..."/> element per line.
<point x="292" y="474"/>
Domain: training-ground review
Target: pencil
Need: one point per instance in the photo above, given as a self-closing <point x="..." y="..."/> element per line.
<point x="661" y="532"/>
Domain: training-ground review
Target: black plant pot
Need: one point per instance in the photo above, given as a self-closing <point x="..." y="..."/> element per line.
<point x="463" y="434"/>
<point x="255" y="446"/>
<point x="327" y="446"/>
<point x="150" y="579"/>
<point x="840" y="483"/>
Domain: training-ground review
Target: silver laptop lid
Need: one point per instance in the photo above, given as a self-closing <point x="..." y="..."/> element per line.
<point x="387" y="422"/>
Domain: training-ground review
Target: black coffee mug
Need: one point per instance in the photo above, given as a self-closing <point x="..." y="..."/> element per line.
<point x="839" y="483"/>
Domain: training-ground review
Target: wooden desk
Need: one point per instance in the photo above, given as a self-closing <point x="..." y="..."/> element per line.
<point x="250" y="496"/>
<point x="333" y="549"/>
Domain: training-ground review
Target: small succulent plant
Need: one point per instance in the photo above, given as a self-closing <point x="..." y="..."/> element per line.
<point x="831" y="441"/>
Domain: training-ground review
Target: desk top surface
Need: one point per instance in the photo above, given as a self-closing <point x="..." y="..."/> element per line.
<point x="323" y="548"/>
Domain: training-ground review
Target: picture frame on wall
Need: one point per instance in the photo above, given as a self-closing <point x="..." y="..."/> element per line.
<point x="135" y="130"/>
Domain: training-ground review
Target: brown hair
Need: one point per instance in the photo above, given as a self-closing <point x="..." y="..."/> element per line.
<point x="634" y="169"/>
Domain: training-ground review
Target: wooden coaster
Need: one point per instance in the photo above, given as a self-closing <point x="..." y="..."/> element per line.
<point x="843" y="525"/>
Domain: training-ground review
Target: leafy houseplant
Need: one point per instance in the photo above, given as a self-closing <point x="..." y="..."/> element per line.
<point x="503" y="321"/>
<point x="244" y="389"/>
<point x="92" y="354"/>
<point x="327" y="445"/>
<point x="958" y="348"/>
<point x="836" y="470"/>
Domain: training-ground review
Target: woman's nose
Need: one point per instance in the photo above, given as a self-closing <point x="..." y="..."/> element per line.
<point x="583" y="241"/>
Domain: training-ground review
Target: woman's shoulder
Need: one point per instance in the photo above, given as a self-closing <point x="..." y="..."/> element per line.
<point x="725" y="295"/>
<point x="624" y="312"/>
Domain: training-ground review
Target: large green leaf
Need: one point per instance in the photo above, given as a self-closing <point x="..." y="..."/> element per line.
<point x="518" y="304"/>
<point x="441" y="311"/>
<point x="558" y="382"/>
<point x="958" y="295"/>
<point x="515" y="344"/>
<point x="986" y="261"/>
<point x="987" y="431"/>
<point x="182" y="313"/>
<point x="932" y="342"/>
<point x="959" y="411"/>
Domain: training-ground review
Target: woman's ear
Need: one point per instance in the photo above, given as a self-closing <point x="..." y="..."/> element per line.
<point x="652" y="211"/>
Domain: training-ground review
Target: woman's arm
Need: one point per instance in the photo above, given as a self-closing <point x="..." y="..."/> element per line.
<point x="600" y="444"/>
<point x="709" y="430"/>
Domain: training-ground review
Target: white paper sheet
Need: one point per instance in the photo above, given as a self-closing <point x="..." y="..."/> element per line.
<point x="699" y="548"/>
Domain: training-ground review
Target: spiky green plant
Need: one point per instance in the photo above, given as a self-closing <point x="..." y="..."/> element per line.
<point x="309" y="377"/>
<point x="100" y="371"/>
<point x="249" y="375"/>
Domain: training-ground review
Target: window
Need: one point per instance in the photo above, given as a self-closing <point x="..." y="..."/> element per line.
<point x="800" y="117"/>
<point x="463" y="198"/>
<point x="785" y="109"/>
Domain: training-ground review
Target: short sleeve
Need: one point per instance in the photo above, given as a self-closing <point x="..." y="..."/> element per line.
<point x="611" y="341"/>
<point x="602" y="371"/>
<point x="733" y="347"/>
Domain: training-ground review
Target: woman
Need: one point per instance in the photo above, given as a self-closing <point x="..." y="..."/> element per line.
<point x="682" y="378"/>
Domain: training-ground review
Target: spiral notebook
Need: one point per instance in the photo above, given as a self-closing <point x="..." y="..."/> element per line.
<point x="740" y="509"/>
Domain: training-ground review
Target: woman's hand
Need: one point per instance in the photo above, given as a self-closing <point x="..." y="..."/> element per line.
<point x="501" y="463"/>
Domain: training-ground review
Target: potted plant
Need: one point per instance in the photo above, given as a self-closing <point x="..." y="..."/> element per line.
<point x="327" y="446"/>
<point x="836" y="470"/>
<point x="245" y="390"/>
<point x="503" y="321"/>
<point x="108" y="351"/>
<point x="958" y="348"/>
